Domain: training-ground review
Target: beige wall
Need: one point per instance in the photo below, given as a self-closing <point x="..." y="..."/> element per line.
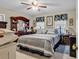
<point x="8" y="13"/>
<point x="71" y="14"/>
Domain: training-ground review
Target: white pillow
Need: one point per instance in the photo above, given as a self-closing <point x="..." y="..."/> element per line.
<point x="50" y="32"/>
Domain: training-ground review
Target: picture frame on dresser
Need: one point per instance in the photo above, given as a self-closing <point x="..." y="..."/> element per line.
<point x="49" y="20"/>
<point x="3" y="23"/>
<point x="2" y="17"/>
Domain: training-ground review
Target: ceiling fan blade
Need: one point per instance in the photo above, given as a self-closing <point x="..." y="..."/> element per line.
<point x="50" y="4"/>
<point x="29" y="8"/>
<point x="43" y="6"/>
<point x="25" y="3"/>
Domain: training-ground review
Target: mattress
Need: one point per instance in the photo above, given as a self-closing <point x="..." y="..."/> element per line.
<point x="44" y="42"/>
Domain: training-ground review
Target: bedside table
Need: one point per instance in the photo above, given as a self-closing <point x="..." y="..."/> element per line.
<point x="65" y="40"/>
<point x="73" y="45"/>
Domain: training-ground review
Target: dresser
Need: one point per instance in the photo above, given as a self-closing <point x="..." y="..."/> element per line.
<point x="7" y="45"/>
<point x="69" y="40"/>
<point x="65" y="39"/>
<point x="8" y="51"/>
<point x="73" y="46"/>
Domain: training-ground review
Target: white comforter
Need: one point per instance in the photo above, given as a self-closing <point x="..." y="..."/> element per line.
<point x="45" y="42"/>
<point x="47" y="36"/>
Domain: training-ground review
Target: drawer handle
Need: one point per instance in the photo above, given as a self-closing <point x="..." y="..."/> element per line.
<point x="74" y="47"/>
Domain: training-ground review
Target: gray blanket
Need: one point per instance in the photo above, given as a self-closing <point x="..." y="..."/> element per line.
<point x="43" y="42"/>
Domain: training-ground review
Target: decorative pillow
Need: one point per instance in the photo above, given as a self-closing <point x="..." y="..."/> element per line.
<point x="41" y="31"/>
<point x="38" y="31"/>
<point x="56" y="31"/>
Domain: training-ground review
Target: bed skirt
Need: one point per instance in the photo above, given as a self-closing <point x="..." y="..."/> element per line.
<point x="35" y="50"/>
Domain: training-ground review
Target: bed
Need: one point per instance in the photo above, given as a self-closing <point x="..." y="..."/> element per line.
<point x="40" y="42"/>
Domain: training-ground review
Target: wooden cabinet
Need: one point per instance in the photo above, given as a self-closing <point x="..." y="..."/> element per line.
<point x="73" y="46"/>
<point x="8" y="51"/>
<point x="65" y="39"/>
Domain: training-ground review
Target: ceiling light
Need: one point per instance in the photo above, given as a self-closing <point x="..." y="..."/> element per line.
<point x="35" y="3"/>
<point x="35" y="7"/>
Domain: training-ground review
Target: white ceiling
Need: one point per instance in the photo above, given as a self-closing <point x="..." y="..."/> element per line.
<point x="52" y="6"/>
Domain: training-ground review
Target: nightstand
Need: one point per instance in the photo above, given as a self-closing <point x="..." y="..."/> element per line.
<point x="65" y="39"/>
<point x="73" y="46"/>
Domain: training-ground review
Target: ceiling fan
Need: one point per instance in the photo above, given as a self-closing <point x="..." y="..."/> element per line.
<point x="34" y="5"/>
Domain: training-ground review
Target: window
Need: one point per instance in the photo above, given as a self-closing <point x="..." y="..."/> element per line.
<point x="60" y="23"/>
<point x="61" y="26"/>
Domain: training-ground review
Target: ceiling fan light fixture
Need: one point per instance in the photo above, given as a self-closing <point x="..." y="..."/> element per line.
<point x="34" y="7"/>
<point x="35" y="3"/>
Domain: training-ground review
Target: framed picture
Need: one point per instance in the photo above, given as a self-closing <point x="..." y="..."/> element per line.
<point x="64" y="17"/>
<point x="39" y="19"/>
<point x="61" y="17"/>
<point x="49" y="20"/>
<point x="2" y="17"/>
<point x="71" y="22"/>
<point x="57" y="17"/>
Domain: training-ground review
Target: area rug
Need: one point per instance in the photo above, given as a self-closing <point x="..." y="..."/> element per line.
<point x="64" y="49"/>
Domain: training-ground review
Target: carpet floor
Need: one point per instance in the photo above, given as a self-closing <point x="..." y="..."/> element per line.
<point x="64" y="49"/>
<point x="27" y="55"/>
<point x="62" y="52"/>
